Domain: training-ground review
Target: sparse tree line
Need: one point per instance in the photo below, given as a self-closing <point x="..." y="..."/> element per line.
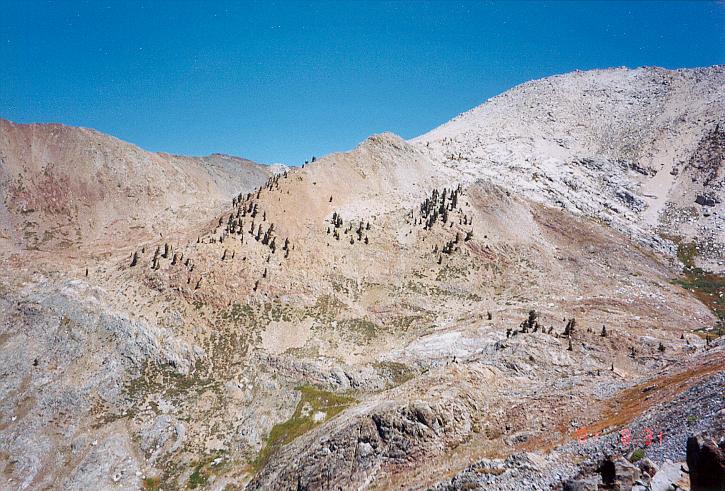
<point x="174" y="258"/>
<point x="437" y="208"/>
<point x="337" y="224"/>
<point x="243" y="206"/>
<point x="531" y="324"/>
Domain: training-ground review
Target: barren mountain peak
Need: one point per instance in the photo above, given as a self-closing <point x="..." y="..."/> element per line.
<point x="623" y="146"/>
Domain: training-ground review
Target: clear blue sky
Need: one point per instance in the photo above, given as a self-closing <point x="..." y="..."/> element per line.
<point x="281" y="81"/>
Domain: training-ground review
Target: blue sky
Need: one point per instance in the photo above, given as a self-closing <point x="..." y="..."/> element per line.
<point x="281" y="81"/>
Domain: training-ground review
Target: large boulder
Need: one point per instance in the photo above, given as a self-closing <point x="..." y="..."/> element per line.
<point x="648" y="468"/>
<point x="618" y="474"/>
<point x="706" y="463"/>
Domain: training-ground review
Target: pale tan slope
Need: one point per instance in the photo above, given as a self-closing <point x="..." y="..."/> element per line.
<point x="63" y="187"/>
<point x="205" y="357"/>
<point x="185" y="369"/>
<point x="382" y="174"/>
<point x="634" y="148"/>
<point x="358" y="318"/>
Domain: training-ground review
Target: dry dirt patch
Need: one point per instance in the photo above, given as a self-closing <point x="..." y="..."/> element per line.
<point x="279" y="336"/>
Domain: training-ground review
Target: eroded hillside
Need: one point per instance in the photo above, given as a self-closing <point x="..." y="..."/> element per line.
<point x="384" y="317"/>
<point x="70" y="188"/>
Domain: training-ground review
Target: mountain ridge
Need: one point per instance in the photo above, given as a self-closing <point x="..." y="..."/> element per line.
<point x="403" y="303"/>
<point x="48" y="171"/>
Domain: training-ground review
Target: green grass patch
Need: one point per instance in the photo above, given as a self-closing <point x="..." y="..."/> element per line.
<point x="312" y="401"/>
<point x="708" y="287"/>
<point x="362" y="327"/>
<point x="198" y="478"/>
<point x="151" y="484"/>
<point x="326" y="308"/>
<point x="637" y="455"/>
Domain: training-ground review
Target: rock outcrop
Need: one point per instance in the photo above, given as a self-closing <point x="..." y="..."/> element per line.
<point x="706" y="464"/>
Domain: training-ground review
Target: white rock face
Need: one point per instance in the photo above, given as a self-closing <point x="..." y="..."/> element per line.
<point x="635" y="148"/>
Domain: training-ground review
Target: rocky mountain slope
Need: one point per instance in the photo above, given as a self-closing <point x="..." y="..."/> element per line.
<point x="639" y="149"/>
<point x="65" y="187"/>
<point x="407" y="314"/>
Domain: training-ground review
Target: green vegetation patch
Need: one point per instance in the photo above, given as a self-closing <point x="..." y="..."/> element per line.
<point x="327" y="308"/>
<point x="151" y="484"/>
<point x="637" y="455"/>
<point x="198" y="478"/>
<point x="361" y="327"/>
<point x="312" y="402"/>
<point x="708" y="287"/>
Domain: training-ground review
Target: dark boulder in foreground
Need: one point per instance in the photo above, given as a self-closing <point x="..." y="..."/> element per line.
<point x="706" y="463"/>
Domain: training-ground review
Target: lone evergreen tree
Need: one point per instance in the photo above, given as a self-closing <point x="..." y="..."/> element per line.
<point x="134" y="259"/>
<point x="604" y="331"/>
